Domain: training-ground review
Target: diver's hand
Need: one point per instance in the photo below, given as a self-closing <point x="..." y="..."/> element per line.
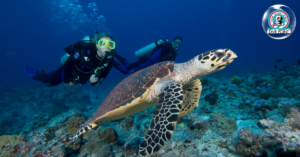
<point x="94" y="79"/>
<point x="69" y="84"/>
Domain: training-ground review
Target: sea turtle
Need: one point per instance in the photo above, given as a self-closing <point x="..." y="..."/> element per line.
<point x="175" y="88"/>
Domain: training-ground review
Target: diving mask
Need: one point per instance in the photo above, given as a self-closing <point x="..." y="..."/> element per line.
<point x="106" y="43"/>
<point x="177" y="43"/>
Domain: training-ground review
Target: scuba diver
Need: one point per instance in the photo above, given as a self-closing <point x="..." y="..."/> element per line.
<point x="159" y="51"/>
<point x="88" y="59"/>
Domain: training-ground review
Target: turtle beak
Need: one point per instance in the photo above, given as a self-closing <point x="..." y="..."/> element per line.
<point x="225" y="57"/>
<point x="230" y="56"/>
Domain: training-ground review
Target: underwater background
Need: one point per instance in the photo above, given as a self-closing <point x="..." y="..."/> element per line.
<point x="248" y="109"/>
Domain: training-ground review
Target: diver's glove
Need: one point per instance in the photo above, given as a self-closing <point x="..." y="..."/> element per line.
<point x="69" y="84"/>
<point x="95" y="80"/>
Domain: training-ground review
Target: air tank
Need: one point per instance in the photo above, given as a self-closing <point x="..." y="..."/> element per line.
<point x="147" y="49"/>
<point x="64" y="58"/>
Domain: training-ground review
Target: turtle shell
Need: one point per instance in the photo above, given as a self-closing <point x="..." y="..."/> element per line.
<point x="133" y="87"/>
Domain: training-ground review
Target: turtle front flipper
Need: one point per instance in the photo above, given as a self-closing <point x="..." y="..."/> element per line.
<point x="164" y="120"/>
<point x="191" y="96"/>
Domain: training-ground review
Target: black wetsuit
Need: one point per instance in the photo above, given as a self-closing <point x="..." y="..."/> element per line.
<point x="81" y="64"/>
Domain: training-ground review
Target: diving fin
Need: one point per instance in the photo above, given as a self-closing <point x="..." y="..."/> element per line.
<point x="32" y="72"/>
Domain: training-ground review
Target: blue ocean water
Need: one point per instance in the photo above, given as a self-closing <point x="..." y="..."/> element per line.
<point x="34" y="33"/>
<point x="28" y="28"/>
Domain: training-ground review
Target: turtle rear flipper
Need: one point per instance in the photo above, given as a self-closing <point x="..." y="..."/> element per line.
<point x="85" y="128"/>
<point x="164" y="120"/>
<point x="191" y="96"/>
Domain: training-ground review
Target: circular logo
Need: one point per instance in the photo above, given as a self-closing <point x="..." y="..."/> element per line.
<point x="279" y="21"/>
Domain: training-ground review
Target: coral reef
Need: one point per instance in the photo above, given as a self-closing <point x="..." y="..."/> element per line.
<point x="99" y="142"/>
<point x="73" y="123"/>
<point x="249" y="144"/>
<point x="265" y="123"/>
<point x="128" y="122"/>
<point x="256" y="117"/>
<point x="295" y="114"/>
<point x="225" y="125"/>
<point x="196" y="122"/>
<point x="211" y="98"/>
<point x="283" y="134"/>
<point x="132" y="148"/>
<point x="204" y="81"/>
<point x="11" y="145"/>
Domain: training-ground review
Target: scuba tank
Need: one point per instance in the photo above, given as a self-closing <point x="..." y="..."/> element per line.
<point x="64" y="58"/>
<point x="87" y="41"/>
<point x="145" y="51"/>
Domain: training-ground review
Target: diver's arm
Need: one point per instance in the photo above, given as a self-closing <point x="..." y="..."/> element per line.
<point x="140" y="65"/>
<point x="121" y="68"/>
<point x="101" y="77"/>
<point x="165" y="48"/>
<point x="154" y="59"/>
<point x="122" y="60"/>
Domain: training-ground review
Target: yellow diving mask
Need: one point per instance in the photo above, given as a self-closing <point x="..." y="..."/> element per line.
<point x="103" y="43"/>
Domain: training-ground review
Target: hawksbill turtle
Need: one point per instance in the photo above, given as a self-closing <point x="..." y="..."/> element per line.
<point x="175" y="88"/>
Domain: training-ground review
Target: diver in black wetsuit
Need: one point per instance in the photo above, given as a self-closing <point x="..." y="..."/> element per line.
<point x="90" y="60"/>
<point x="163" y="51"/>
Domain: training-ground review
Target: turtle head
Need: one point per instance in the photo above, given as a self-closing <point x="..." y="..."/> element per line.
<point x="215" y="60"/>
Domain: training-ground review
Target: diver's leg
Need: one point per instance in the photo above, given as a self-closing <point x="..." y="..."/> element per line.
<point x="51" y="79"/>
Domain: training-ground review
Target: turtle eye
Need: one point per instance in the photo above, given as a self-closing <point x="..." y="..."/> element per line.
<point x="220" y="54"/>
<point x="200" y="57"/>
